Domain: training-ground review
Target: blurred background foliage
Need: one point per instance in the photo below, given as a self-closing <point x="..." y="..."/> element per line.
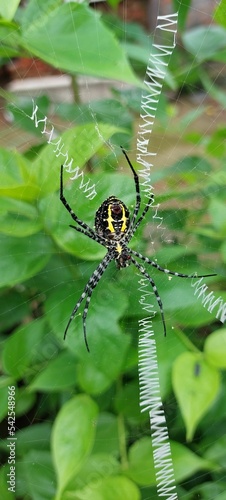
<point x="80" y="433"/>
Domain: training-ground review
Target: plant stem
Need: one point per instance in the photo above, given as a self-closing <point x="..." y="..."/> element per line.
<point x="185" y="340"/>
<point x="75" y="89"/>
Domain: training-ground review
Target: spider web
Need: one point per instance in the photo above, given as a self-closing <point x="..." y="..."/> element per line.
<point x="167" y="140"/>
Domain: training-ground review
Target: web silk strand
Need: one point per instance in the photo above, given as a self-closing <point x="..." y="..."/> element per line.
<point x="150" y="397"/>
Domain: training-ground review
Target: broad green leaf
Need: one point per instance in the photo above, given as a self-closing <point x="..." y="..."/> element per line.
<point x="23" y="347"/>
<point x="220" y="13"/>
<point x="38" y="11"/>
<point x="211" y="89"/>
<point x="216" y="451"/>
<point x="25" y="401"/>
<point x="9" y="36"/>
<point x="104" y="110"/>
<point x="33" y="437"/>
<point x="18" y="218"/>
<point x="14" y="308"/>
<point x="196" y="384"/>
<point x="39" y="473"/>
<point x="22" y="258"/>
<point x="108" y="488"/>
<point x="186" y="462"/>
<point x="141" y="54"/>
<point x="141" y="466"/>
<point x="215" y="348"/>
<point x="59" y="374"/>
<point x="8" y="9"/>
<point x="204" y="41"/>
<point x="140" y="462"/>
<point x="97" y="465"/>
<point x="80" y="43"/>
<point x="217" y="211"/>
<point x="16" y="176"/>
<point x="107" y="436"/>
<point x="72" y="437"/>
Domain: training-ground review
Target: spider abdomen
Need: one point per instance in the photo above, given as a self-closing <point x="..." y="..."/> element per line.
<point x="112" y="219"/>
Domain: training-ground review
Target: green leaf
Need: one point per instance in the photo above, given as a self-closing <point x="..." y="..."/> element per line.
<point x="60" y="374"/>
<point x="8" y="9"/>
<point x="23" y="347"/>
<point x="80" y="43"/>
<point x="141" y="466"/>
<point x="216" y="451"/>
<point x="99" y="466"/>
<point x="18" y="218"/>
<point x="217" y="211"/>
<point x="72" y="437"/>
<point x="185" y="462"/>
<point x="107" y="437"/>
<point x="25" y="401"/>
<point x="39" y="474"/>
<point x="215" y="348"/>
<point x="9" y="36"/>
<point x="104" y="110"/>
<point x="108" y="488"/>
<point x="33" y="437"/>
<point x="22" y="258"/>
<point x="196" y="385"/>
<point x="16" y="177"/>
<point x="211" y="89"/>
<point x="38" y="11"/>
<point x="204" y="41"/>
<point x="14" y="307"/>
<point x="220" y="13"/>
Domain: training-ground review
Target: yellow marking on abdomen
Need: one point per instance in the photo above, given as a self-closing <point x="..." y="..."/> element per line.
<point x="124" y="220"/>
<point x="110" y="220"/>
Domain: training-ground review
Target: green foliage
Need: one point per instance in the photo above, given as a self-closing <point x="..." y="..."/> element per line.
<point x="76" y="26"/>
<point x="99" y="446"/>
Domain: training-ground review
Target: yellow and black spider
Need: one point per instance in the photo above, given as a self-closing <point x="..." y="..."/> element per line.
<point x="114" y="228"/>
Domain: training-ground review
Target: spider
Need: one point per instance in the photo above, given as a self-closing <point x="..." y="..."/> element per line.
<point x="114" y="228"/>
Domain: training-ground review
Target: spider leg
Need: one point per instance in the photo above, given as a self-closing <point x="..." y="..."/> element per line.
<point x="69" y="209"/>
<point x="167" y="271"/>
<point x="151" y="281"/>
<point x="88" y="290"/>
<point x="147" y="207"/>
<point x="95" y="238"/>
<point x="138" y="197"/>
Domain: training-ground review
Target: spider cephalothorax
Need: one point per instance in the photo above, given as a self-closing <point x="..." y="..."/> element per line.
<point x="114" y="228"/>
